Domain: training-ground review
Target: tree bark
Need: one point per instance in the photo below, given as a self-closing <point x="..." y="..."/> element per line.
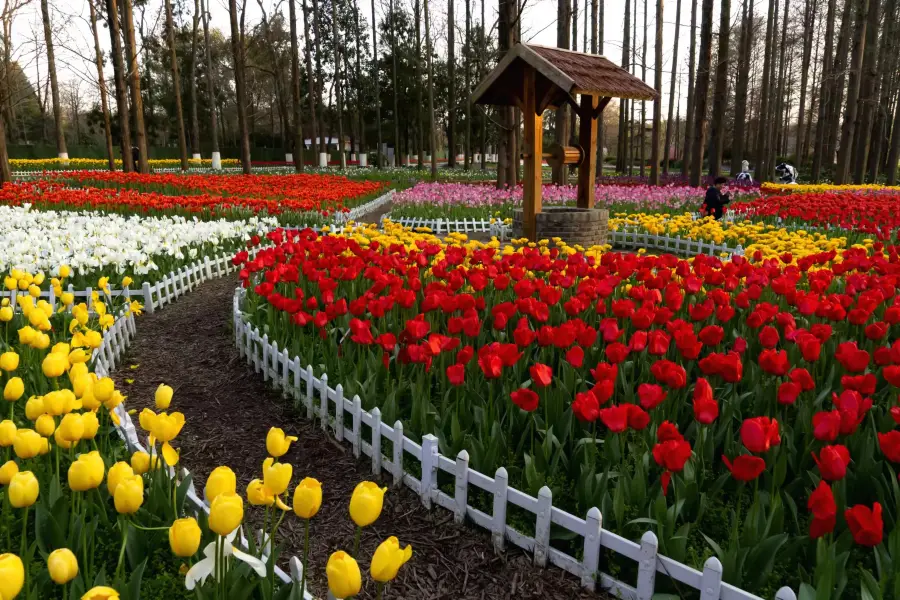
<point x="210" y="86"/>
<point x="851" y="115"/>
<point x="867" y="95"/>
<point x="240" y="87"/>
<point x="276" y="80"/>
<point x="192" y="87"/>
<point x="762" y="170"/>
<point x="643" y="128"/>
<point x="431" y="117"/>
<point x="669" y="123"/>
<point x="137" y="105"/>
<point x="467" y="49"/>
<point x="779" y="89"/>
<point x="378" y="160"/>
<point x="482" y="64"/>
<point x="841" y="63"/>
<point x="563" y="122"/>
<point x="112" y="16"/>
<point x="5" y="172"/>
<point x="622" y="145"/>
<point x="61" y="150"/>
<point x="809" y="11"/>
<point x="657" y="104"/>
<point x="337" y="82"/>
<point x="894" y="152"/>
<point x="824" y="91"/>
<point x="101" y="83"/>
<point x="743" y="80"/>
<point x="295" y="89"/>
<point x="597" y="48"/>
<point x="320" y="79"/>
<point x="720" y="95"/>
<point x="701" y="93"/>
<point x="397" y="156"/>
<point x="311" y="93"/>
<point x="887" y="66"/>
<point x="420" y="118"/>
<point x="176" y="85"/>
<point x="451" y="86"/>
<point x="359" y="82"/>
<point x="689" y="111"/>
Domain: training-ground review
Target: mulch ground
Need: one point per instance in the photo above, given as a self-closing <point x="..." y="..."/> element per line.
<point x="228" y="409"/>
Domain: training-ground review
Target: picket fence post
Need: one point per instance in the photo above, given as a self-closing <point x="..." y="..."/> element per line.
<point x="711" y="583"/>
<point x="357" y="426"/>
<point x="593" y="525"/>
<point x="429" y="468"/>
<point x="323" y="401"/>
<point x="339" y="413"/>
<point x="646" y="583"/>
<point x="498" y="522"/>
<point x="309" y="392"/>
<point x="461" y="487"/>
<point x="376" y="441"/>
<point x="265" y="356"/>
<point x="542" y="527"/>
<point x="397" y="443"/>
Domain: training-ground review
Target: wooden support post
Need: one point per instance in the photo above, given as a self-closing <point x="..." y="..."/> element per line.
<point x="587" y="138"/>
<point x="534" y="141"/>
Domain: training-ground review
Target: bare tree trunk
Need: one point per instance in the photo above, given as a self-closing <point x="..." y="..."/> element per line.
<point x="240" y="86"/>
<point x="689" y="119"/>
<point x="851" y="115"/>
<point x="643" y="128"/>
<point x="378" y="160"/>
<point x="277" y="70"/>
<point x="824" y="92"/>
<point x="867" y="95"/>
<point x="701" y="93"/>
<point x="320" y="79"/>
<point x="61" y="150"/>
<point x="467" y="49"/>
<point x="887" y="66"/>
<point x="112" y="17"/>
<point x="814" y="101"/>
<point x="743" y="80"/>
<point x="809" y="11"/>
<point x="420" y="117"/>
<point x="5" y="173"/>
<point x="192" y="87"/>
<point x="622" y="146"/>
<point x="295" y="89"/>
<point x="451" y="86"/>
<point x="777" y="147"/>
<point x="359" y="82"/>
<point x="101" y="83"/>
<point x="337" y="83"/>
<point x="482" y="67"/>
<point x="210" y="87"/>
<point x="657" y="104"/>
<point x="563" y="122"/>
<point x="311" y="80"/>
<point x="397" y="157"/>
<point x="763" y="122"/>
<point x="720" y="95"/>
<point x="669" y="123"/>
<point x="137" y="105"/>
<point x="575" y="25"/>
<point x="176" y="84"/>
<point x="841" y="63"/>
<point x="431" y="117"/>
<point x="597" y="48"/>
<point x="631" y="104"/>
<point x="894" y="152"/>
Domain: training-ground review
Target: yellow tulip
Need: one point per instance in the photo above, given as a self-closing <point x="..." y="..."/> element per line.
<point x="163" y="396"/>
<point x="276" y="476"/>
<point x="93" y="339"/>
<point x="78" y="357"/>
<point x="26" y="334"/>
<point x="184" y="537"/>
<point x="14" y="389"/>
<point x="277" y="443"/>
<point x="7" y="433"/>
<point x="114" y="400"/>
<point x="8" y="471"/>
<point x="117" y="473"/>
<point x="9" y="361"/>
<point x="64" y="271"/>
<point x="89" y="401"/>
<point x="220" y="481"/>
<point x="45" y="425"/>
<point x="258" y="495"/>
<point x="66" y="298"/>
<point x="91" y="425"/>
<point x="6" y="314"/>
<point x="55" y="364"/>
<point x="23" y="489"/>
<point x="71" y="427"/>
<point x="170" y="454"/>
<point x="226" y="513"/>
<point x="307" y="498"/>
<point x="61" y="441"/>
<point x="101" y="592"/>
<point x="146" y="419"/>
<point x="366" y="503"/>
<point x="165" y="427"/>
<point x="61" y="348"/>
<point x="59" y="402"/>
<point x="126" y="281"/>
<point x="129" y="495"/>
<point x="344" y="578"/>
<point x="86" y="473"/>
<point x="141" y="462"/>
<point x="103" y="389"/>
<point x="388" y="559"/>
<point x="63" y="566"/>
<point x="12" y="576"/>
<point x="34" y="408"/>
<point x="27" y="443"/>
<point x="80" y="379"/>
<point x="40" y="341"/>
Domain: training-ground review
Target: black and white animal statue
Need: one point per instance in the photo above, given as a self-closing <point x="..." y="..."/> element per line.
<point x="744" y="176"/>
<point x="787" y="173"/>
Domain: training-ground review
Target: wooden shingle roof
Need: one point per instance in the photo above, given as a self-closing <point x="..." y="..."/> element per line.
<point x="570" y="72"/>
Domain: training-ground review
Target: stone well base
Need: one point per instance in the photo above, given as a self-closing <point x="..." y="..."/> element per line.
<point x="584" y="226"/>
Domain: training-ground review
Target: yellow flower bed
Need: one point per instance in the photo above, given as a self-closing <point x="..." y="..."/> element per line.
<point x="41" y="164"/>
<point x="780" y="188"/>
<point x="768" y="239"/>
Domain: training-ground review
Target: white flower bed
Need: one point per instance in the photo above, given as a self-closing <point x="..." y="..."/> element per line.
<point x="91" y="242"/>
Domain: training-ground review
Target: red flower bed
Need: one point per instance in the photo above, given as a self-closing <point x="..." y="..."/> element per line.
<point x="875" y="214"/>
<point x="738" y="402"/>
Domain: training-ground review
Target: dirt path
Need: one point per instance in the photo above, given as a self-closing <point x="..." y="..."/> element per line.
<point x="228" y="411"/>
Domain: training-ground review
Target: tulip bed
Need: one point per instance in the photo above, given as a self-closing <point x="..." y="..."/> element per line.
<point x="462" y="201"/>
<point x="55" y="164"/>
<point x="746" y="409"/>
<point x="92" y="243"/>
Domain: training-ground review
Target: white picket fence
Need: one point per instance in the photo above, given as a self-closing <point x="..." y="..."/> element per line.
<point x="331" y="407"/>
<point x="112" y="349"/>
<point x="364" y="209"/>
<point x="439" y="226"/>
<point x="633" y="239"/>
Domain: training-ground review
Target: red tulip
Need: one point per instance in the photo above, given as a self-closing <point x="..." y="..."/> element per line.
<point x="638" y="418"/>
<point x="810" y="347"/>
<point x="865" y="524"/>
<point x="819" y="527"/>
<point x="826" y="425"/>
<point x="605" y="372"/>
<point x="668" y="431"/>
<point x="491" y="365"/>
<point x="651" y="395"/>
<point x="851" y="357"/>
<point x="575" y="356"/>
<point x="615" y="418"/>
<point x="895" y="414"/>
<point x="832" y="462"/>
<point x="616" y="353"/>
<point x="525" y="399"/>
<point x="541" y="374"/>
<point x="774" y="362"/>
<point x="759" y="434"/>
<point x="672" y="455"/>
<point x="788" y="392"/>
<point x="586" y="407"/>
<point x="456" y="374"/>
<point x="821" y="501"/>
<point x="802" y="378"/>
<point x="673" y="375"/>
<point x="892" y="375"/>
<point x="768" y="337"/>
<point x="658" y="342"/>
<point x="711" y="335"/>
<point x="890" y="445"/>
<point x="853" y="409"/>
<point x="745" y="467"/>
<point x="706" y="409"/>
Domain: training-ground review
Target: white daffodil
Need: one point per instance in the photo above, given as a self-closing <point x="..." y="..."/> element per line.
<point x="207" y="566"/>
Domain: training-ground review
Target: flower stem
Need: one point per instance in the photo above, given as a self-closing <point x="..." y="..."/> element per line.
<point x="305" y="556"/>
<point x="124" y="523"/>
<point x="24" y="547"/>
<point x="356" y="541"/>
<point x="379" y="588"/>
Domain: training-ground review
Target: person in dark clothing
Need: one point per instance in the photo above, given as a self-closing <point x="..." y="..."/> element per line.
<point x="715" y="200"/>
<point x="135" y="158"/>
